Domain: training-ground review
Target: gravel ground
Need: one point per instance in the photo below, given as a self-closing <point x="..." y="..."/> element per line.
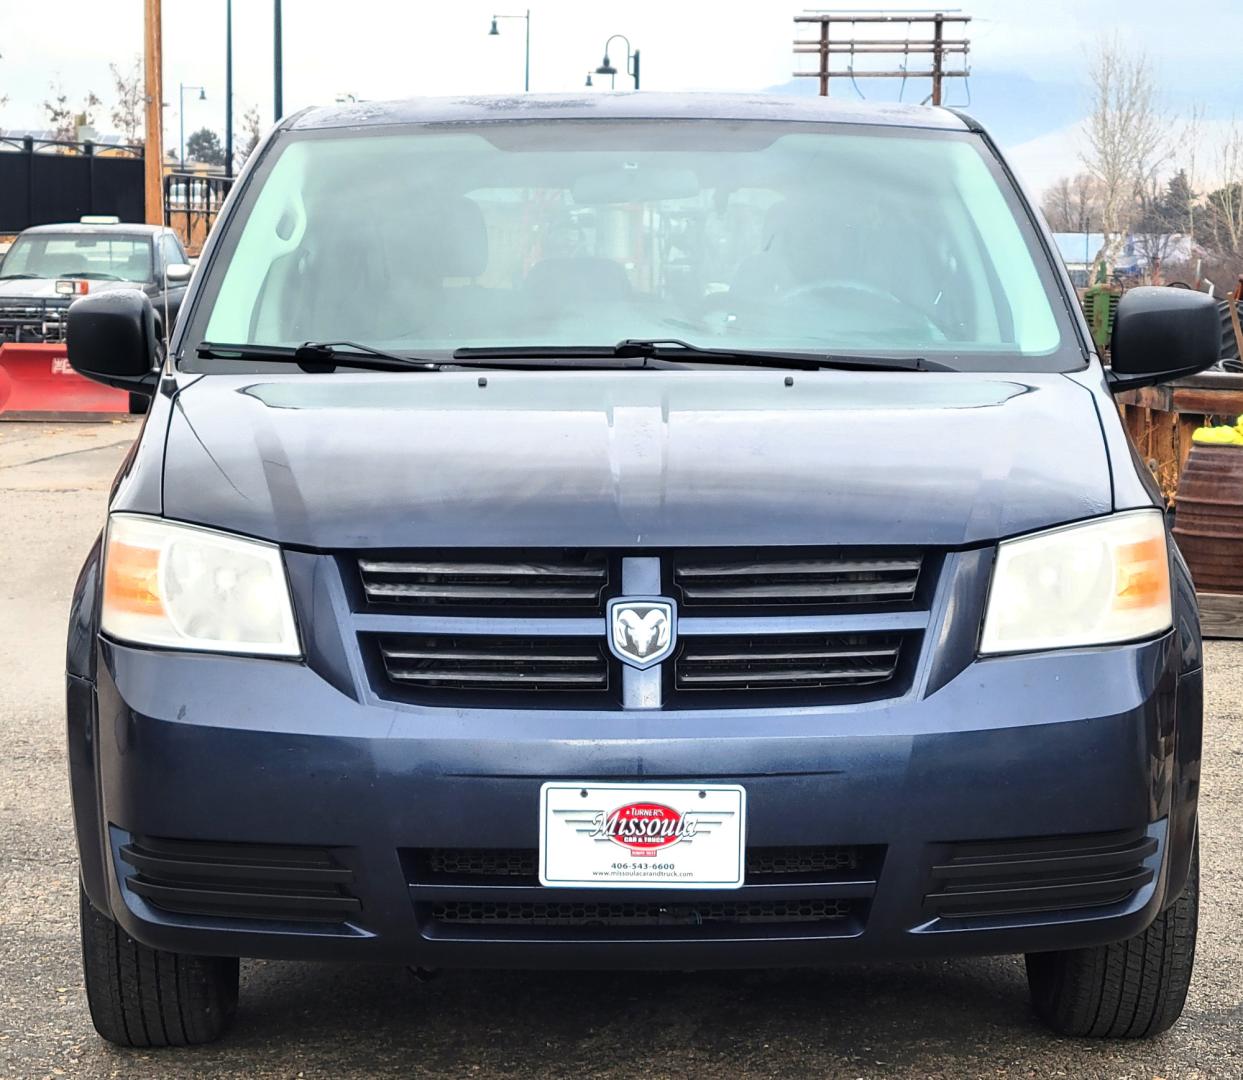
<point x="956" y="1019"/>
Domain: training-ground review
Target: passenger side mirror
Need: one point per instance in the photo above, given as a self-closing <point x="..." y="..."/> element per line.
<point x="176" y="273"/>
<point x="1161" y="334"/>
<point x="112" y="339"/>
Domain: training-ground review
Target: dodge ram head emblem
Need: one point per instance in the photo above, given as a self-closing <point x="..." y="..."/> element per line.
<point x="642" y="631"/>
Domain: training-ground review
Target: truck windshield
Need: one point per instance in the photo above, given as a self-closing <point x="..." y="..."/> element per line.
<point x="747" y="235"/>
<point x="48" y="255"/>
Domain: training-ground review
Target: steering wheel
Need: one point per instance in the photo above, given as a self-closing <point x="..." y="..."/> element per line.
<point x="900" y="312"/>
<point x="840" y="285"/>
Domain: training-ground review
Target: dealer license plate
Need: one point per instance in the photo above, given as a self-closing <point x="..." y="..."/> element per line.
<point x="642" y="836"/>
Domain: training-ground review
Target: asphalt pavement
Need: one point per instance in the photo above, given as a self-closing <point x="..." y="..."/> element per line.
<point x="967" y="1018"/>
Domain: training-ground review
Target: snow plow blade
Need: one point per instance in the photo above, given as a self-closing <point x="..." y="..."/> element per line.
<point x="37" y="383"/>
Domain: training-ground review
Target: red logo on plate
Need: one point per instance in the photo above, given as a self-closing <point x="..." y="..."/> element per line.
<point x="643" y="828"/>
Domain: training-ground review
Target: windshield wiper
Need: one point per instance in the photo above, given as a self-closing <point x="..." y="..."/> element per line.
<point x="319" y="356"/>
<point x="93" y="275"/>
<point x="678" y="351"/>
<point x="18" y="277"/>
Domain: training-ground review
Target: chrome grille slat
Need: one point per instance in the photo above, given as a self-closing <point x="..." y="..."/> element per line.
<point x="781" y="662"/>
<point x="440" y="662"/>
<point x="442" y="580"/>
<point x="802" y="590"/>
<point x="509" y="678"/>
<point x="799" y="579"/>
<point x="802" y="566"/>
<point x="484" y="655"/>
<point x="372" y="566"/>
<point x="478" y="592"/>
<point x="792" y="675"/>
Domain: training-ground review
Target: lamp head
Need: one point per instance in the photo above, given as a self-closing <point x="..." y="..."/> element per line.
<point x="494" y="31"/>
<point x="606" y="68"/>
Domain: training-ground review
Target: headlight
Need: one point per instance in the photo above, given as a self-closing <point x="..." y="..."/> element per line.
<point x="183" y="587"/>
<point x="1103" y="581"/>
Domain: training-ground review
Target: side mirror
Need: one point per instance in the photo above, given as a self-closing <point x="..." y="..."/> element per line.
<point x="1161" y="334"/>
<point x="176" y="273"/>
<point x="112" y="339"/>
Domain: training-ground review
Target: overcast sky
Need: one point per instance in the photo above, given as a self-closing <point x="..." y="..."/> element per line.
<point x="1028" y="56"/>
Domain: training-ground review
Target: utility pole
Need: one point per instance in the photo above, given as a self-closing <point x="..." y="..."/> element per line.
<point x="277" y="73"/>
<point x="153" y="73"/>
<point x="228" y="87"/>
<point x="843" y="40"/>
<point x="938" y="56"/>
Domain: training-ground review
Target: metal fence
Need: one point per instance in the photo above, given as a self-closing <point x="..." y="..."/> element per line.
<point x="44" y="181"/>
<point x="191" y="202"/>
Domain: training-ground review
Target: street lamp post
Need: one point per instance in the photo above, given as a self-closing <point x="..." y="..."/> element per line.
<point x="228" y="87"/>
<point x="632" y="61"/>
<point x="526" y="77"/>
<point x="182" y="113"/>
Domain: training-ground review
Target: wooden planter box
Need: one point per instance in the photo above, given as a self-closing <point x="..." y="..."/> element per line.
<point x="1160" y="420"/>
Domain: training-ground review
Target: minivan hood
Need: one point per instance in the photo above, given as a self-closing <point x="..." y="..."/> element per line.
<point x="633" y="458"/>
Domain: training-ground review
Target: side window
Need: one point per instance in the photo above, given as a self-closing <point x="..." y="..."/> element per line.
<point x="170" y="251"/>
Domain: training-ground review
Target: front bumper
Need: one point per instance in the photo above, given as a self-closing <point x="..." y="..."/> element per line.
<point x="250" y="751"/>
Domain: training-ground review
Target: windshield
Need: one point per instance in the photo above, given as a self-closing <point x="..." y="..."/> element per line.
<point x="747" y="235"/>
<point x="89" y="255"/>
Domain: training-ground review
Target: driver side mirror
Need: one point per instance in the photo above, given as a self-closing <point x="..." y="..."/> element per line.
<point x="176" y="273"/>
<point x="1161" y="334"/>
<point x="111" y="338"/>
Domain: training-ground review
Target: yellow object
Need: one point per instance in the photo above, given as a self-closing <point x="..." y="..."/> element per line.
<point x="1220" y="436"/>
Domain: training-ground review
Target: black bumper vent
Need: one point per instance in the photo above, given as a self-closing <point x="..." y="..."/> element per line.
<point x="1049" y="874"/>
<point x="787" y="661"/>
<point x="626" y="914"/>
<point x="478" y="662"/>
<point x="781" y="579"/>
<point x="561" y="580"/>
<point x="517" y="866"/>
<point x="249" y="881"/>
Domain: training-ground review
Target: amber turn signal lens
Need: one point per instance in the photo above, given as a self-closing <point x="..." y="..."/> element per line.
<point x="1141" y="574"/>
<point x="132" y="579"/>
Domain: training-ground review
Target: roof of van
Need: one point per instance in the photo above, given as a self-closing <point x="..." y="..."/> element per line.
<point x="119" y="228"/>
<point x="625" y="105"/>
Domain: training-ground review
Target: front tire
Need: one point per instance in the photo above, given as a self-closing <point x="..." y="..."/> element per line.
<point x="1133" y="989"/>
<point x="146" y="997"/>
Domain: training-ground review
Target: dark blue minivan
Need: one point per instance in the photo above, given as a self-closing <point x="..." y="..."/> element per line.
<point x="633" y="531"/>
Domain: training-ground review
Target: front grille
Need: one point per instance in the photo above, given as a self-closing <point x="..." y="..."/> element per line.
<point x="477" y="662"/>
<point x="32" y="319"/>
<point x="517" y="866"/>
<point x="624" y="914"/>
<point x="249" y="881"/>
<point x="560" y="580"/>
<point x="768" y="578"/>
<point x="786" y="661"/>
<point x="1047" y="874"/>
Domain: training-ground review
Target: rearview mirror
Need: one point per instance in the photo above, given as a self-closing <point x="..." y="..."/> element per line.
<point x="111" y="337"/>
<point x="1161" y="334"/>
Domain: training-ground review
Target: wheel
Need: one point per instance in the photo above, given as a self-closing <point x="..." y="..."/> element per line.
<point x="1129" y="990"/>
<point x="147" y="997"/>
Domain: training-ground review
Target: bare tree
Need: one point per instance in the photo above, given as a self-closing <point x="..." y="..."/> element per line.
<point x="1224" y="207"/>
<point x="4" y="98"/>
<point x="251" y="129"/>
<point x="1073" y="204"/>
<point x="63" y="118"/>
<point x="1160" y="221"/>
<point x="129" y="112"/>
<point x="1126" y="137"/>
